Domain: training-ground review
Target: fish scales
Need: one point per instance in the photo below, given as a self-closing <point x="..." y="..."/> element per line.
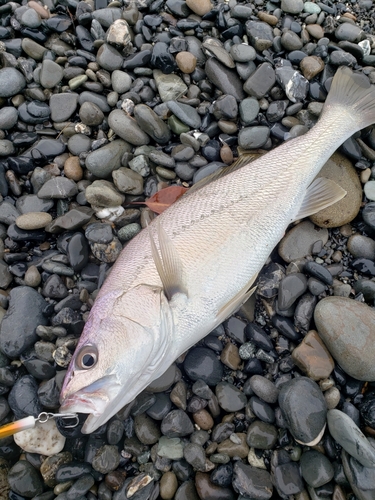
<point x="195" y="264"/>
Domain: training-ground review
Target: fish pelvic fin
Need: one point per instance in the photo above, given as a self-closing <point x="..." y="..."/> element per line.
<point x="354" y="92"/>
<point x="321" y="194"/>
<point x="167" y="262"/>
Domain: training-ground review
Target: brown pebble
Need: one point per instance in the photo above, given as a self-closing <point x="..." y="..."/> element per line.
<point x="203" y="419"/>
<point x="346" y="230"/>
<point x="268" y="18"/>
<point x="233" y="449"/>
<point x="311" y="66"/>
<point x="46" y="245"/>
<point x="32" y="277"/>
<point x="315" y="30"/>
<point x="73" y="169"/>
<point x="349" y="16"/>
<point x="338" y="493"/>
<point x="230" y="357"/>
<point x="44" y="13"/>
<point x="186" y="61"/>
<point x="33" y="220"/>
<point x="115" y="479"/>
<point x="226" y="154"/>
<point x="200" y="7"/>
<point x="313" y="357"/>
<point x="168" y="485"/>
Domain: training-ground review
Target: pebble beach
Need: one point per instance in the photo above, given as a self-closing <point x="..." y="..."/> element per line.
<point x="104" y="104"/>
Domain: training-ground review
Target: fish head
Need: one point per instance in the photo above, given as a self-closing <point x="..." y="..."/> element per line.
<point x="123" y="347"/>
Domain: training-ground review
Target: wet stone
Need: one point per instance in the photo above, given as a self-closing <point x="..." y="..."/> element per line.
<point x="229" y="397"/>
<point x="287" y="479"/>
<point x="304" y="409"/>
<point x="224" y="78"/>
<point x="187" y="114"/>
<point x="261" y="435"/>
<point x="261" y="81"/>
<point x="11" y="82"/>
<point x="361" y="246"/>
<point x="210" y="491"/>
<point x="298" y="242"/>
<point x="103" y="161"/>
<point x="251" y="482"/>
<point x="260" y="35"/>
<point x="58" y="188"/>
<point x="316" y="469"/>
<point x="146" y="430"/>
<point x="25" y="480"/>
<point x="348" y="435"/>
<point x="346" y="327"/>
<point x="176" y="424"/>
<point x="171" y="448"/>
<point x="127" y="128"/>
<point x="253" y="137"/>
<point x="23" y="399"/>
<point x="264" y="388"/>
<point x="44" y="439"/>
<point x="202" y="363"/>
<point x="194" y="454"/>
<point x="106" y="459"/>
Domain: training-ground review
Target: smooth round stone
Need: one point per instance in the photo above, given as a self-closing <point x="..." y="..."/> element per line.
<point x="127" y="128"/>
<point x="33" y="49"/>
<point x="152" y="124"/>
<point x="187" y="114"/>
<point x="361" y="246"/>
<point x="12" y="82"/>
<point x="121" y="81"/>
<point x="304" y="409"/>
<point x="319" y="272"/>
<point x="316" y="469"/>
<point x="253" y="137"/>
<point x="349" y="32"/>
<point x="6" y="147"/>
<point x="58" y="188"/>
<point x="264" y="388"/>
<point x="261" y="435"/>
<point x="291" y="41"/>
<point x="202" y="363"/>
<point x="229" y="397"/>
<point x="25" y="480"/>
<point x="348" y="435"/>
<point x="106" y="459"/>
<point x="8" y="117"/>
<point x="199" y="7"/>
<point x="299" y="241"/>
<point x="63" y="106"/>
<point x="291" y="287"/>
<point x="347" y="328"/>
<point x="90" y="114"/>
<point x="109" y="58"/>
<point x="186" y="62"/>
<point x="146" y="429"/>
<point x="369" y="190"/>
<point x="313" y="358"/>
<point x="168" y="485"/>
<point x="287" y="479"/>
<point x="17" y="331"/>
<point x="339" y="169"/>
<point x="311" y="66"/>
<point x="73" y="169"/>
<point x="260" y="34"/>
<point x="78" y="252"/>
<point x="103" y="161"/>
<point x="165" y="381"/>
<point x="242" y="52"/>
<point x="79" y="143"/>
<point x="176" y="424"/>
<point x="33" y="220"/>
<point x="251" y="482"/>
<point x="128" y="181"/>
<point x="292" y="6"/>
<point x="368" y="214"/>
<point x="249" y="109"/>
<point x="50" y="74"/>
<point x="44" y="439"/>
<point x="103" y="194"/>
<point x="128" y="232"/>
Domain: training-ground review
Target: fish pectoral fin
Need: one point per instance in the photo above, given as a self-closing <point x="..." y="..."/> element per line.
<point x="321" y="193"/>
<point x="236" y="302"/>
<point x="168" y="263"/>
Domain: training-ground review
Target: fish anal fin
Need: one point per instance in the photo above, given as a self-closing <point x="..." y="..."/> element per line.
<point x="321" y="193"/>
<point x="168" y="263"/>
<point x="236" y="302"/>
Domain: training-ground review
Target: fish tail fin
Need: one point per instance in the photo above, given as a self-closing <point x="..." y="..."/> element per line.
<point x="354" y="92"/>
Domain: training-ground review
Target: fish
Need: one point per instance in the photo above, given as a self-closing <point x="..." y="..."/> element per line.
<point x="197" y="262"/>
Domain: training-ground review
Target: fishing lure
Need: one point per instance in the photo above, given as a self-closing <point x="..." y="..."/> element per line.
<point x="30" y="422"/>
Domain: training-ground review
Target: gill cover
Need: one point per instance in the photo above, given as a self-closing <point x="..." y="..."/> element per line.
<point x="120" y="352"/>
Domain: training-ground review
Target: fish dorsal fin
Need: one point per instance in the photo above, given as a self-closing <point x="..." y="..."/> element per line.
<point x="168" y="263"/>
<point x="243" y="160"/>
<point x="237" y="301"/>
<point x="321" y="193"/>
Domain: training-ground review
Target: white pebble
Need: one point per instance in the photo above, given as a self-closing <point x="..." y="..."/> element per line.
<point x="369" y="189"/>
<point x="43" y="438"/>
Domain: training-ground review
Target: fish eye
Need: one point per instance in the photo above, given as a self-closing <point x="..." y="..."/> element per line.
<point x="87" y="357"/>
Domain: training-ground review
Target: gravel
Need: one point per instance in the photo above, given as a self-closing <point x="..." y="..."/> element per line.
<point x="101" y="107"/>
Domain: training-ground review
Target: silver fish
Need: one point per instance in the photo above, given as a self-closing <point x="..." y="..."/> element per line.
<point x="196" y="263"/>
